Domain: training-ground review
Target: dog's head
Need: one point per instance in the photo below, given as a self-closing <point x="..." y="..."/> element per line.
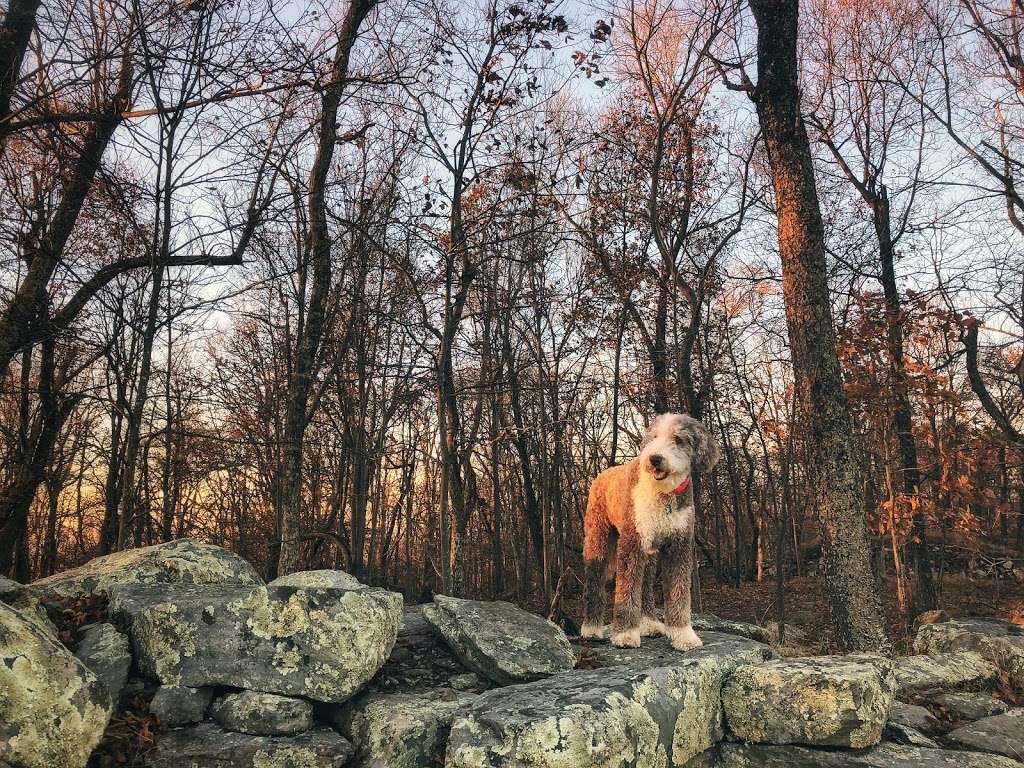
<point x="676" y="446"/>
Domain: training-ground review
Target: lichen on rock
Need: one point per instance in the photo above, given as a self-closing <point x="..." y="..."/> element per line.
<point x="53" y="710"/>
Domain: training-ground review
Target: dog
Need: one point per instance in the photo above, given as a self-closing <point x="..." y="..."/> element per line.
<point x="637" y="514"/>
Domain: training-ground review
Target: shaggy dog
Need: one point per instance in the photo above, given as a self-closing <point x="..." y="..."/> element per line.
<point x="638" y="513"/>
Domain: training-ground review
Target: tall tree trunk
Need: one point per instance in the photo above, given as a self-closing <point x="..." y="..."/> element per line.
<point x="835" y="478"/>
<point x="903" y="414"/>
<point x="300" y="382"/>
<point x="15" y="33"/>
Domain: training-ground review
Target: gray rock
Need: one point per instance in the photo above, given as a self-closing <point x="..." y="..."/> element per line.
<point x="914" y="716"/>
<point x="207" y="746"/>
<point x="613" y="716"/>
<point x="53" y="710"/>
<point x="106" y="652"/>
<point x="499" y="640"/>
<point x="184" y="561"/>
<point x="9" y="588"/>
<point x="959" y="670"/>
<point x="414" y="622"/>
<point x="1000" y="734"/>
<point x="882" y="756"/>
<point x="972" y="706"/>
<point x="262" y="714"/>
<point x="318" y="579"/>
<point x="465" y="681"/>
<point x="26" y="601"/>
<point x="401" y="730"/>
<point x="998" y="641"/>
<point x="658" y="652"/>
<point x="176" y="705"/>
<point x="897" y="733"/>
<point x="821" y="700"/>
<point x="324" y="644"/>
<point x="706" y="622"/>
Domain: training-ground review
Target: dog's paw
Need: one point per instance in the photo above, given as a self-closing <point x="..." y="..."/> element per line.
<point x="650" y="626"/>
<point x="592" y="631"/>
<point x="628" y="638"/>
<point x="683" y="638"/>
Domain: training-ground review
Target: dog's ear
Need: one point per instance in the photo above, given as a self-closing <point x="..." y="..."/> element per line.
<point x="705" y="447"/>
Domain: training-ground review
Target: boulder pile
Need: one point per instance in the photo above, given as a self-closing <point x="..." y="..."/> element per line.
<point x="318" y="669"/>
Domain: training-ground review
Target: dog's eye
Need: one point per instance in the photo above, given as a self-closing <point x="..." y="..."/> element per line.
<point x="680" y="440"/>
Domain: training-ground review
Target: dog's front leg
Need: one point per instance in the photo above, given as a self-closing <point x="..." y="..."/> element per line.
<point x="676" y="568"/>
<point x="629" y="586"/>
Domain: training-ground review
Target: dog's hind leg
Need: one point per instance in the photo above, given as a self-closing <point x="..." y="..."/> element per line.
<point x="649" y="624"/>
<point x="629" y="587"/>
<point x="676" y="568"/>
<point x="597" y="546"/>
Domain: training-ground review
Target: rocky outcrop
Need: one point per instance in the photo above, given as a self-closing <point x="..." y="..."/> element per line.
<point x="176" y="705"/>
<point x="499" y="640"/>
<point x="971" y="706"/>
<point x="628" y="713"/>
<point x="318" y="579"/>
<point x="1001" y="734"/>
<point x="1000" y="642"/>
<point x="913" y="716"/>
<point x="706" y="622"/>
<point x="106" y="652"/>
<point x="324" y="644"/>
<point x="207" y="746"/>
<point x="956" y="671"/>
<point x="53" y="710"/>
<point x="824" y="700"/>
<point x="882" y="756"/>
<point x="401" y="730"/>
<point x="26" y="601"/>
<point x="262" y="714"/>
<point x="184" y="561"/>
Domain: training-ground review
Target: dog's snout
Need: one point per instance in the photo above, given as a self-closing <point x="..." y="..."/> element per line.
<point x="656" y="460"/>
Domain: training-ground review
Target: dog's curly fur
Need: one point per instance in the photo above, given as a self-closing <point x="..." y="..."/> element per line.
<point x="634" y="519"/>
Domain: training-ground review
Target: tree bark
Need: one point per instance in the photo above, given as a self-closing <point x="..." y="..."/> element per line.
<point x="15" y="32"/>
<point x="300" y="382"/>
<point x="835" y="478"/>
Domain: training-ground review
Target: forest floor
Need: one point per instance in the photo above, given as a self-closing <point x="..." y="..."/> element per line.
<point x="807" y="607"/>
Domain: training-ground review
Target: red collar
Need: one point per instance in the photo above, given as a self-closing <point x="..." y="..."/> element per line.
<point x="681" y="488"/>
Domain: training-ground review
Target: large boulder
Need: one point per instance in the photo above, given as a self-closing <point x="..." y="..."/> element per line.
<point x="882" y="756"/>
<point x="324" y="644"/>
<point x="1000" y="642"/>
<point x="401" y="730"/>
<point x="26" y="601"/>
<point x="959" y="670"/>
<point x="53" y="710"/>
<point x="320" y="579"/>
<point x="825" y="700"/>
<point x="106" y="652"/>
<point x="707" y="622"/>
<point x="1001" y="734"/>
<point x="619" y="715"/>
<point x="183" y="561"/>
<point x="176" y="705"/>
<point x="499" y="640"/>
<point x="207" y="746"/>
<point x="262" y="714"/>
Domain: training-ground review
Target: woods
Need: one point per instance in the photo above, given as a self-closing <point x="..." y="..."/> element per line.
<point x="383" y="287"/>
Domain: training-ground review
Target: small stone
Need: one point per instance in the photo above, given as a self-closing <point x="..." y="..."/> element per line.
<point x="208" y="746"/>
<point x="176" y="705"/>
<point x="972" y="706"/>
<point x="824" y="700"/>
<point x="105" y="651"/>
<point x="914" y="716"/>
<point x="896" y="733"/>
<point x="401" y="730"/>
<point x="263" y="714"/>
<point x="318" y="579"/>
<point x="1000" y="734"/>
<point x="959" y="670"/>
<point x="465" y="682"/>
<point x="499" y="640"/>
